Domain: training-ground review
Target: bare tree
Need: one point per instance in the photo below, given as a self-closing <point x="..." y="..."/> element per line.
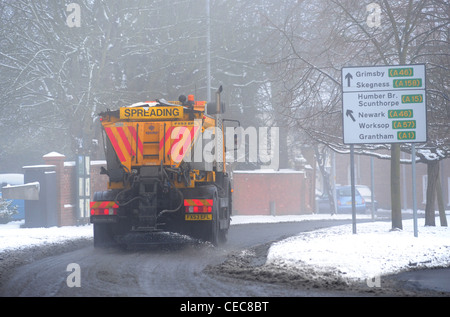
<point x="56" y="77"/>
<point x="409" y="32"/>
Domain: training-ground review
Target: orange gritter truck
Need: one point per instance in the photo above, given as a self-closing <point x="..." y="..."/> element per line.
<point x="158" y="182"/>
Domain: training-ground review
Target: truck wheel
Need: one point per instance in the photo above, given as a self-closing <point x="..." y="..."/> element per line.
<point x="225" y="214"/>
<point x="223" y="236"/>
<point x="210" y="230"/>
<point x="214" y="231"/>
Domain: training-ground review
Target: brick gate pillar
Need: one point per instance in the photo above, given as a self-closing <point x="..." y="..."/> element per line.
<point x="57" y="160"/>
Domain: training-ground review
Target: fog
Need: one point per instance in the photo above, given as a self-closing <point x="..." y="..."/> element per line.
<point x="278" y="61"/>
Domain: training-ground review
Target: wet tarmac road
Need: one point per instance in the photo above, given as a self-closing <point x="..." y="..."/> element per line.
<point x="178" y="270"/>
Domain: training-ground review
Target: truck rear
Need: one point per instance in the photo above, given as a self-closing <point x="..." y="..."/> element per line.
<point x="156" y="180"/>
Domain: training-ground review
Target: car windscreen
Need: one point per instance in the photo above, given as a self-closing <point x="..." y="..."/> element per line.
<point x="345" y="191"/>
<point x="364" y="191"/>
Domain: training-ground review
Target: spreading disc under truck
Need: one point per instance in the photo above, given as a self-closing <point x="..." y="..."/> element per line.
<point x="158" y="178"/>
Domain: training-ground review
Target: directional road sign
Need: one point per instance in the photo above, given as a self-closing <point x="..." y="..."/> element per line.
<point x="384" y="104"/>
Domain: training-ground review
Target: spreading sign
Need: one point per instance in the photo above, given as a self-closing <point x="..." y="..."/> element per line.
<point x="384" y="104"/>
<point x="151" y="113"/>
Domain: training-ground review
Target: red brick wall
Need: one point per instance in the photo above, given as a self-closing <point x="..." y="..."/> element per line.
<point x="254" y="192"/>
<point x="289" y="191"/>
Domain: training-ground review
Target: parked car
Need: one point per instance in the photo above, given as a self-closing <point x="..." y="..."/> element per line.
<point x="343" y="201"/>
<point x="366" y="193"/>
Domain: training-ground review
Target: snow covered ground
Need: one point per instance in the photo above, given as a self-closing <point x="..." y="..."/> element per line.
<point x="12" y="236"/>
<point x="375" y="250"/>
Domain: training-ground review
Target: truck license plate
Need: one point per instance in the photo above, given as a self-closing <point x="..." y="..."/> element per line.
<point x="195" y="217"/>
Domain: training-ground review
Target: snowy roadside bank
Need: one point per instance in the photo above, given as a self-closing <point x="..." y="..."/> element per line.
<point x="375" y="250"/>
<point x="13" y="237"/>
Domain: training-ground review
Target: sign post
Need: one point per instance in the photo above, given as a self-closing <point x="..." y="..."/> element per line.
<point x="413" y="159"/>
<point x="83" y="187"/>
<point x="385" y="104"/>
<point x="353" y="189"/>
